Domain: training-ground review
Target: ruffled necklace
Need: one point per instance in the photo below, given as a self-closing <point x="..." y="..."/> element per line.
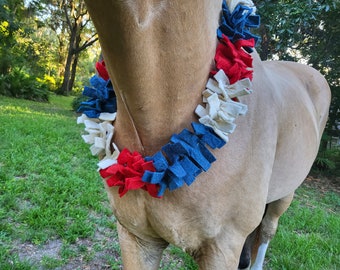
<point x="186" y="155"/>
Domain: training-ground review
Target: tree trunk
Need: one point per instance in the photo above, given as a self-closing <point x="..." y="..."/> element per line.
<point x="264" y="43"/>
<point x="75" y="62"/>
<point x="5" y="63"/>
<point x="65" y="88"/>
<point x="61" y="57"/>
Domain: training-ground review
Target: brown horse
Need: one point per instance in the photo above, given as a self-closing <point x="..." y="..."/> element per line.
<point x="159" y="54"/>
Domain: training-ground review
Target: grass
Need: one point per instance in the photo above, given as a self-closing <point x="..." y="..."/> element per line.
<point x="47" y="191"/>
<point x="308" y="235"/>
<point x="54" y="212"/>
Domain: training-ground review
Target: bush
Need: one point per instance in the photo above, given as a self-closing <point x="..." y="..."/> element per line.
<point x="49" y="81"/>
<point x="77" y="100"/>
<point x="328" y="162"/>
<point x="20" y="85"/>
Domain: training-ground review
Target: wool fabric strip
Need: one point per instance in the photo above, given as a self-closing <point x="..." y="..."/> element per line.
<point x="102" y="95"/>
<point x="233" y="59"/>
<point x="181" y="160"/>
<point x="236" y="24"/>
<point x="101" y="69"/>
<point x="127" y="173"/>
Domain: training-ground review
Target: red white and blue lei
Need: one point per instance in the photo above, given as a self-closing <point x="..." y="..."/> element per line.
<point x="186" y="155"/>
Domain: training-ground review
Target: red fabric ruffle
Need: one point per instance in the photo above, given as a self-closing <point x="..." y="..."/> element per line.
<point x="127" y="173"/>
<point x="233" y="59"/>
<point x="101" y="68"/>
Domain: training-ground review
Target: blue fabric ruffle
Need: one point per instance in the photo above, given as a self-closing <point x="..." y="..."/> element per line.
<point x="102" y="98"/>
<point x="236" y="25"/>
<point x="183" y="158"/>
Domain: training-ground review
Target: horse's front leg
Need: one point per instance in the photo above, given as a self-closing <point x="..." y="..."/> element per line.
<point x="223" y="252"/>
<point x="140" y="254"/>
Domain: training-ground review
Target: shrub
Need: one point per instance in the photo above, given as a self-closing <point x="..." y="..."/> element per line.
<point x="49" y="81"/>
<point x="77" y="100"/>
<point x="328" y="162"/>
<point x="20" y="85"/>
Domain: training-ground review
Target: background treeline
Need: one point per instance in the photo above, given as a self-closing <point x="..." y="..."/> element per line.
<point x="43" y="45"/>
<point x="50" y="46"/>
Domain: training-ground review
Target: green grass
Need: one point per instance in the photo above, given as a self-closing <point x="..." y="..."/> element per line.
<point x="54" y="211"/>
<point x="309" y="233"/>
<point x="47" y="187"/>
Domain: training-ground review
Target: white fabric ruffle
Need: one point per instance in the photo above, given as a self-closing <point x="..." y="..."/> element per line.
<point x="220" y="110"/>
<point x="233" y="3"/>
<point x="100" y="132"/>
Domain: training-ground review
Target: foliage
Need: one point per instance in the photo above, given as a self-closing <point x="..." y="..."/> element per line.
<point x="49" y="81"/>
<point x="328" y="162"/>
<point x="23" y="54"/>
<point x="35" y="38"/>
<point x="324" y="163"/>
<point x="77" y="100"/>
<point x="71" y="22"/>
<point x="10" y="25"/>
<point x="20" y="85"/>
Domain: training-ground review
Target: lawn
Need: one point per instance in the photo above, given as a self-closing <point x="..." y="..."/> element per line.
<point x="54" y="212"/>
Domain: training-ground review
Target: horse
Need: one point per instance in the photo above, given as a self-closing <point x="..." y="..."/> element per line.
<point x="159" y="55"/>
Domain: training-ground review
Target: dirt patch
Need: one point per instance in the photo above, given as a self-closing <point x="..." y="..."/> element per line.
<point x="90" y="258"/>
<point x="323" y="184"/>
<point x="93" y="259"/>
<point x="35" y="254"/>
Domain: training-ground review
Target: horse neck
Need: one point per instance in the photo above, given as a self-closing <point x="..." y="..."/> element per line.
<point x="158" y="54"/>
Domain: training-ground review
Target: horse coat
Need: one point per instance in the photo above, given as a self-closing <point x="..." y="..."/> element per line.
<point x="159" y="55"/>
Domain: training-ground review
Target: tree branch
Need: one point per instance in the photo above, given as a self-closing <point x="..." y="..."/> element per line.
<point x="66" y="15"/>
<point x="86" y="44"/>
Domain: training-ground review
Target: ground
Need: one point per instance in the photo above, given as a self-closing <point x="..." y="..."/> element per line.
<point x="324" y="184"/>
<point x="97" y="258"/>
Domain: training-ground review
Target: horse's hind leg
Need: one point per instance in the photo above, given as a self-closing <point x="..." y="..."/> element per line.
<point x="268" y="227"/>
<point x="140" y="254"/>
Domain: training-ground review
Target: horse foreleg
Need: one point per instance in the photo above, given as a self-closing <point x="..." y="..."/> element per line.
<point x="138" y="254"/>
<point x="268" y="227"/>
<point x="245" y="258"/>
<point x="219" y="253"/>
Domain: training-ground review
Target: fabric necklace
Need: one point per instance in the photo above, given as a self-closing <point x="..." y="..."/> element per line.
<point x="186" y="155"/>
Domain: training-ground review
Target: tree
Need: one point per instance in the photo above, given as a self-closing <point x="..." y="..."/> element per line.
<point x="306" y="31"/>
<point x="71" y="22"/>
<point x="41" y="44"/>
<point x="19" y="53"/>
<point x="10" y="14"/>
<point x="77" y="19"/>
